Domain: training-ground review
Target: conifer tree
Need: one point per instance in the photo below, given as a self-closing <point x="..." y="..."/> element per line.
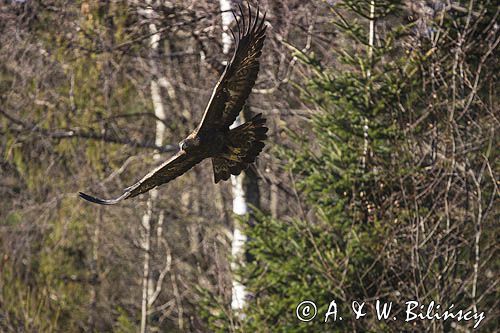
<point x="386" y="202"/>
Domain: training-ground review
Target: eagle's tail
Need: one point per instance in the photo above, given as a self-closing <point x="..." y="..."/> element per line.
<point x="245" y="143"/>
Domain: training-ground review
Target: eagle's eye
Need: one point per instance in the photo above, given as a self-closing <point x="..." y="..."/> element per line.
<point x="182" y="145"/>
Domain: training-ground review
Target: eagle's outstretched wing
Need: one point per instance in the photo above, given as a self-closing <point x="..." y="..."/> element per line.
<point x="236" y="82"/>
<point x="227" y="100"/>
<point x="167" y="171"/>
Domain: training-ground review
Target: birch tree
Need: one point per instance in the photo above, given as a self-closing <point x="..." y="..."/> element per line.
<point x="240" y="207"/>
<point x="147" y="282"/>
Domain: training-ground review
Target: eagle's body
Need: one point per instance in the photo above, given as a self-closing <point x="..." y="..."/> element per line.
<point x="206" y="143"/>
<point x="231" y="150"/>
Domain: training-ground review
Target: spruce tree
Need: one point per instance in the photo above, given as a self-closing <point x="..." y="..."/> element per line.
<point x="385" y="211"/>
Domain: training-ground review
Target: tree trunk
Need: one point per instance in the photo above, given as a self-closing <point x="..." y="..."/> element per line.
<point x="244" y="187"/>
<point x="371" y="39"/>
<point x="239" y="201"/>
<point x="147" y="283"/>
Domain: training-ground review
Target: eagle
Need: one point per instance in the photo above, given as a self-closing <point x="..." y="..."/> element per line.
<point x="231" y="150"/>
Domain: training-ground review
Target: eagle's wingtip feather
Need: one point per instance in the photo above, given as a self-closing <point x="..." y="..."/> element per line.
<point x="96" y="200"/>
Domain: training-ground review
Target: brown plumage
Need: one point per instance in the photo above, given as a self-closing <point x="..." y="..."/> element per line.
<point x="244" y="144"/>
<point x="231" y="150"/>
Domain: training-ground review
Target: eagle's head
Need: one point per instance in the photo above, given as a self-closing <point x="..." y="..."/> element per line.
<point x="188" y="144"/>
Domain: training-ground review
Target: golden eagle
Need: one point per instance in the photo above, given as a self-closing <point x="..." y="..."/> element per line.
<point x="231" y="150"/>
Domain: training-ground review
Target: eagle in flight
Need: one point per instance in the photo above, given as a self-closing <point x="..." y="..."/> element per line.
<point x="231" y="150"/>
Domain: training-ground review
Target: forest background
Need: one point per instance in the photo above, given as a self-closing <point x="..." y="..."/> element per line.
<point x="379" y="179"/>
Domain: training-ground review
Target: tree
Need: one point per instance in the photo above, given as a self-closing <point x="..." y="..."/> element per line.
<point x="390" y="207"/>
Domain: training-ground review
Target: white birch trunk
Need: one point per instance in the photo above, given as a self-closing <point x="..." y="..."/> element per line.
<point x="239" y="201"/>
<point x="239" y="208"/>
<point x="371" y="39"/>
<point x="147" y="283"/>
